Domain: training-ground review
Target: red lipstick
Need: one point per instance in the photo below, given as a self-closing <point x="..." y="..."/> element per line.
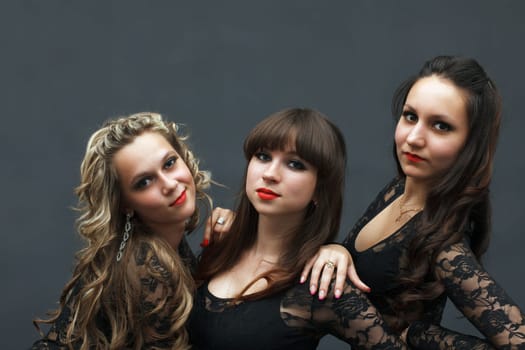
<point x="266" y="194"/>
<point x="180" y="200"/>
<point x="413" y="158"/>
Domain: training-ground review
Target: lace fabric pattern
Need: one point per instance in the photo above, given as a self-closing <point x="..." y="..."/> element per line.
<point x="466" y="283"/>
<point x="154" y="287"/>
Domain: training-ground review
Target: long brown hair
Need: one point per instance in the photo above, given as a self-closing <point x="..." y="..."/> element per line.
<point x="101" y="287"/>
<point x="317" y="141"/>
<point x="458" y="204"/>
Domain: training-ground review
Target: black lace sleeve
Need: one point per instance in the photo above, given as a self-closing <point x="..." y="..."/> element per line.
<point x="351" y="318"/>
<point x="187" y="254"/>
<point x="424" y="335"/>
<point x="480" y="299"/>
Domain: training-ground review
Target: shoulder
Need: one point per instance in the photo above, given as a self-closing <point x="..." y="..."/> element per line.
<point x="461" y="248"/>
<point x="296" y="306"/>
<point x="457" y="260"/>
<point x="390" y="191"/>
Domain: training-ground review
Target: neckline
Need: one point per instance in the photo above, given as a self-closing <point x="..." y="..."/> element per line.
<point x="213" y="296"/>
<point x="398" y="186"/>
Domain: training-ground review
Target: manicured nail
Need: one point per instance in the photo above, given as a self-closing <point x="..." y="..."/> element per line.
<point x="312" y="289"/>
<point x="302" y="280"/>
<point x="368" y="290"/>
<point x="337" y="293"/>
<point x="205" y="242"/>
<point x="321" y="294"/>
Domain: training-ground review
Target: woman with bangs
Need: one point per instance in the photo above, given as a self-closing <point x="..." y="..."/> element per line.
<point x="248" y="295"/>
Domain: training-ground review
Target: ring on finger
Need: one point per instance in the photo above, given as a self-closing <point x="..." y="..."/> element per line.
<point x="221" y="220"/>
<point x="329" y="264"/>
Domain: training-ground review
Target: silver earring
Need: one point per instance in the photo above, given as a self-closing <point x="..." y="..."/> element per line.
<point x="125" y="237"/>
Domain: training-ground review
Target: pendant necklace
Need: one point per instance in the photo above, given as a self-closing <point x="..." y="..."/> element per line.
<point x="404" y="211"/>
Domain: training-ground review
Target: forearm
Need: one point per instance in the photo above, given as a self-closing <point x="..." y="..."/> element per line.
<point x="481" y="299"/>
<point x="423" y="335"/>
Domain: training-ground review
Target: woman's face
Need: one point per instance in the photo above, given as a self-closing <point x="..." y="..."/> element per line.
<point x="280" y="183"/>
<point x="156" y="184"/>
<point x="432" y="129"/>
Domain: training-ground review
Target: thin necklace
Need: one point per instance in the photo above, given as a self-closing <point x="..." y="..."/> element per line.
<point x="405" y="211"/>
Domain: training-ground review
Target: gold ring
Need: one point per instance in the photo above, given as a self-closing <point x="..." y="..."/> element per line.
<point x="329" y="264"/>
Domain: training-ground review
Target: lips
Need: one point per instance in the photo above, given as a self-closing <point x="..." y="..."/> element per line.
<point x="413" y="157"/>
<point x="266" y="194"/>
<point x="180" y="199"/>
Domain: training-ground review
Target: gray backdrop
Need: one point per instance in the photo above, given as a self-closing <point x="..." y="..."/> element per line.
<point x="220" y="67"/>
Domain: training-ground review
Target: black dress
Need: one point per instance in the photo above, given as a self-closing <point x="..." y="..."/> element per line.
<point x="289" y="320"/>
<point x="466" y="283"/>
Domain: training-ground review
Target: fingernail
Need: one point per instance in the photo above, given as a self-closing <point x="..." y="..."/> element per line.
<point x="337" y="293"/>
<point x="321" y="294"/>
<point x="302" y="280"/>
<point x="368" y="290"/>
<point x="205" y="242"/>
<point x="312" y="289"/>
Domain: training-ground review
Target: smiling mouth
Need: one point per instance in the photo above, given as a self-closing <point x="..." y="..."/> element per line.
<point x="266" y="194"/>
<point x="180" y="199"/>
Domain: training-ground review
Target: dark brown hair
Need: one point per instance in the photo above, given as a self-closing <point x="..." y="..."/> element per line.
<point x="458" y="204"/>
<point x="318" y="142"/>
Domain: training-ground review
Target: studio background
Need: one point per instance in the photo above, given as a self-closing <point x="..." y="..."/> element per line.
<point x="219" y="67"/>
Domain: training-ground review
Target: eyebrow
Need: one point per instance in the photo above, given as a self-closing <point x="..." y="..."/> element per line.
<point x="445" y="116"/>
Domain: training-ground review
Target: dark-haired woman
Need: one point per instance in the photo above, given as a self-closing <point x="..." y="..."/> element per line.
<point x="421" y="239"/>
<point x="249" y="296"/>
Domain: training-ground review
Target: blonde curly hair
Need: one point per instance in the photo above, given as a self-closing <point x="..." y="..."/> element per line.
<point x="99" y="284"/>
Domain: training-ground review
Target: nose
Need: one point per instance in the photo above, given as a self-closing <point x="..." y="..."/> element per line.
<point x="168" y="184"/>
<point x="271" y="172"/>
<point x="416" y="136"/>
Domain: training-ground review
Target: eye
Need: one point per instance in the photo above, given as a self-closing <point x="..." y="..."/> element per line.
<point x="170" y="162"/>
<point x="442" y="126"/>
<point x="142" y="183"/>
<point x="262" y="156"/>
<point x="296" y="164"/>
<point x="409" y="116"/>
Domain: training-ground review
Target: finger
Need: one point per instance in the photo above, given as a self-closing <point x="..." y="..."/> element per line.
<point x="210" y="230"/>
<point x="326" y="278"/>
<point x="340" y="281"/>
<point x="315" y="274"/>
<point x="222" y="220"/>
<point x="219" y="229"/>
<point x="207" y="233"/>
<point x="352" y="275"/>
<point x="307" y="268"/>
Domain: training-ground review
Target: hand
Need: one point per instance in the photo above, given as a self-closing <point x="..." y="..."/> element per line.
<point x="219" y="222"/>
<point x="328" y="258"/>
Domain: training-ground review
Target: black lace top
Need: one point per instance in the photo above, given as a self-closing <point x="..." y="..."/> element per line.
<point x="293" y="319"/>
<point x="466" y="283"/>
<point x="152" y="290"/>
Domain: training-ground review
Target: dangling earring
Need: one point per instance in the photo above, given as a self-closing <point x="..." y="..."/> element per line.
<point x="125" y="237"/>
